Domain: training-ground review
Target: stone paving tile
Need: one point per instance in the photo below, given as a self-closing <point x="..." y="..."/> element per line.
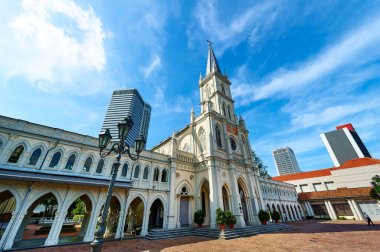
<point x="348" y="236"/>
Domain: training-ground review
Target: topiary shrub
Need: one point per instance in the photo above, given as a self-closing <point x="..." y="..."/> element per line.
<point x="199" y="217"/>
<point x="263" y="216"/>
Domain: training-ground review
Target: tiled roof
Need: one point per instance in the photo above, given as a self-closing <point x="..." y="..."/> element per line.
<point x="336" y="194"/>
<point x="303" y="175"/>
<point x="359" y="162"/>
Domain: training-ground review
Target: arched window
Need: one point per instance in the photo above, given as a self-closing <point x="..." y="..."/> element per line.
<point x="125" y="170"/>
<point x="35" y="156"/>
<point x="229" y="111"/>
<point x="233" y="144"/>
<point x="223" y="89"/>
<point x="146" y="172"/>
<point x="202" y="138"/>
<point x="137" y="171"/>
<point x="70" y="162"/>
<point x="99" y="168"/>
<point x="87" y="164"/>
<point x="224" y="109"/>
<point x="164" y="176"/>
<point x="155" y="175"/>
<point x="218" y="137"/>
<point x="16" y="154"/>
<point x="55" y="160"/>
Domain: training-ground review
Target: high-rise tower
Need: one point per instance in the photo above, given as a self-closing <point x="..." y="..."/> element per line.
<point x="128" y="102"/>
<point x="285" y="161"/>
<point x="344" y="144"/>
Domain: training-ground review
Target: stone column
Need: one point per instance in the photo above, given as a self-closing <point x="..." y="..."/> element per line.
<point x="56" y="227"/>
<point x="120" y="225"/>
<point x="213" y="197"/>
<point x="253" y="200"/>
<point x="330" y="210"/>
<point x="172" y="203"/>
<point x="353" y="210"/>
<point x="358" y="210"/>
<point x="236" y="201"/>
<point x="8" y="229"/>
<point x="144" y="230"/>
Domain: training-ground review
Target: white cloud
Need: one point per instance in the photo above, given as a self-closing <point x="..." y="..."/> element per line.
<point x="153" y="66"/>
<point x="357" y="48"/>
<point x="228" y="32"/>
<point x="50" y="43"/>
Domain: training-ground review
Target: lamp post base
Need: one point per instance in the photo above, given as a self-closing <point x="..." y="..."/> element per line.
<point x="96" y="245"/>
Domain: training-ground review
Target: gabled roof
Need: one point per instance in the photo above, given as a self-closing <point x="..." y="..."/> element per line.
<point x="354" y="163"/>
<point x="212" y="63"/>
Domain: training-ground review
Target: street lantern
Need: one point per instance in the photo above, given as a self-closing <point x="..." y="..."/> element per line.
<point x="139" y="144"/>
<point x="124" y="127"/>
<point x="120" y="147"/>
<point x="104" y="139"/>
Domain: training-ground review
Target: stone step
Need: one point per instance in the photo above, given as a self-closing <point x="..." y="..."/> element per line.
<point x="155" y="234"/>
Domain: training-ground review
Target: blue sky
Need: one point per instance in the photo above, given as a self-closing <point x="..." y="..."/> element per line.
<point x="298" y="68"/>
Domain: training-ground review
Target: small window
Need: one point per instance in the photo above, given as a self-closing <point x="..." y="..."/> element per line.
<point x="330" y="185"/>
<point x="186" y="147"/>
<point x="87" y="164"/>
<point x="55" y="160"/>
<point x="146" y="173"/>
<point x="233" y="144"/>
<point x="184" y="191"/>
<point x="99" y="168"/>
<point x="35" y="156"/>
<point x="16" y="154"/>
<point x="218" y="137"/>
<point x="125" y="170"/>
<point x="137" y="171"/>
<point x="229" y="111"/>
<point x="224" y="109"/>
<point x="304" y="188"/>
<point x="70" y="162"/>
<point x="164" y="176"/>
<point x="318" y="187"/>
<point x="155" y="175"/>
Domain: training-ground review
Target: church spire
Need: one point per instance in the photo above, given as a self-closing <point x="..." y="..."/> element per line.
<point x="212" y="63"/>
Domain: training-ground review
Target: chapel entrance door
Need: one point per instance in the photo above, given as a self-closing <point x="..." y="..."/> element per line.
<point x="184" y="211"/>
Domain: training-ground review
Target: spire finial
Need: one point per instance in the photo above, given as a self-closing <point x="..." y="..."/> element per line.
<point x="209" y="43"/>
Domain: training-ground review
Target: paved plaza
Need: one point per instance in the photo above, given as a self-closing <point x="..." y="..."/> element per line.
<point x="319" y="236"/>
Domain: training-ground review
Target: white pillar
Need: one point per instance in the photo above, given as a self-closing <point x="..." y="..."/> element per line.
<point x="56" y="227"/>
<point x="171" y="220"/>
<point x="330" y="210"/>
<point x="236" y="202"/>
<point x="213" y="197"/>
<point x="358" y="210"/>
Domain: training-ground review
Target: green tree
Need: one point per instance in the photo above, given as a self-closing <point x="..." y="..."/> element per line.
<point x="80" y="207"/>
<point x="375" y="191"/>
<point x="50" y="205"/>
<point x="262" y="169"/>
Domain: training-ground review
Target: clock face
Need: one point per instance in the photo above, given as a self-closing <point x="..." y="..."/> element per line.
<point x="233" y="144"/>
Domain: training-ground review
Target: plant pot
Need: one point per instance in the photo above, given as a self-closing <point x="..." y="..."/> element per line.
<point x="231" y="226"/>
<point x="277" y="221"/>
<point x="200" y="225"/>
<point x="222" y="226"/>
<point x="264" y="222"/>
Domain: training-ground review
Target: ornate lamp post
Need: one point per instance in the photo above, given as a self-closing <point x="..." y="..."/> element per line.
<point x="119" y="148"/>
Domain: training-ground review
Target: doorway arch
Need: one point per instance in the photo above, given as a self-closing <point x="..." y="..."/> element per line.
<point x="36" y="224"/>
<point x="243" y="195"/>
<point x="77" y="220"/>
<point x="135" y="217"/>
<point x="156" y="216"/>
<point x="226" y="198"/>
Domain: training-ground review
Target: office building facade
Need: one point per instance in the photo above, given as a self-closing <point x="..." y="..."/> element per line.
<point x="285" y="161"/>
<point x="344" y="144"/>
<point x="128" y="102"/>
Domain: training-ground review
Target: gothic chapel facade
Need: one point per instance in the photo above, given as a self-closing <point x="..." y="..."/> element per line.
<point x="214" y="167"/>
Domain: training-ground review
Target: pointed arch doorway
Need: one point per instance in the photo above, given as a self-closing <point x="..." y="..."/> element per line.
<point x="243" y="195"/>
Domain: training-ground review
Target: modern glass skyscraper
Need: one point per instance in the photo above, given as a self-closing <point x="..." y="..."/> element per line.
<point x="285" y="161"/>
<point x="344" y="144"/>
<point x="128" y="102"/>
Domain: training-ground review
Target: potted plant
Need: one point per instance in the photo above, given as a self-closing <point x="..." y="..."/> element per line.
<point x="199" y="218"/>
<point x="221" y="218"/>
<point x="276" y="216"/>
<point x="263" y="217"/>
<point x="230" y="219"/>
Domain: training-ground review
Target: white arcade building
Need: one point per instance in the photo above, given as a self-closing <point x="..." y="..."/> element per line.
<point x="53" y="182"/>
